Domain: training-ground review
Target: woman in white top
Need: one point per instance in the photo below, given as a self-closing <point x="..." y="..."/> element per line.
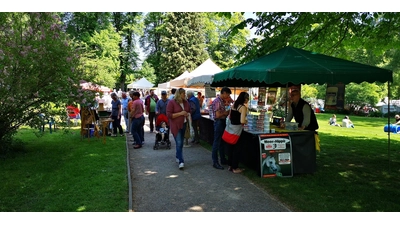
<point x="346" y="122"/>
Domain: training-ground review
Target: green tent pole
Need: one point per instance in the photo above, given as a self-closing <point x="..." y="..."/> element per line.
<point x="389" y="124"/>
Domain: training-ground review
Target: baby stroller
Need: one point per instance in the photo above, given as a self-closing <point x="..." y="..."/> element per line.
<point x="162" y="129"/>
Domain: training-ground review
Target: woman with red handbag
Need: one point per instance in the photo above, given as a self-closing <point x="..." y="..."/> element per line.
<point x="237" y="117"/>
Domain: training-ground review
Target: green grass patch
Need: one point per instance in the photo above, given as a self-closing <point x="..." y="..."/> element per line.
<point x="59" y="172"/>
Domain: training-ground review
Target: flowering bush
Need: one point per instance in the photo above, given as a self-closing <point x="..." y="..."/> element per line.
<point x="39" y="65"/>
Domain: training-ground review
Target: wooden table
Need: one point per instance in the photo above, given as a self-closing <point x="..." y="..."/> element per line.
<point x="104" y="124"/>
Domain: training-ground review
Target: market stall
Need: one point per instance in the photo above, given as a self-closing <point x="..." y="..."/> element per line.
<point x="285" y="68"/>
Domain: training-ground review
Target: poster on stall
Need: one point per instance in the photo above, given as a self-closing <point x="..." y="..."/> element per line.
<point x="334" y="97"/>
<point x="276" y="158"/>
<point x="261" y="96"/>
<point x="209" y="91"/>
<point x="271" y="97"/>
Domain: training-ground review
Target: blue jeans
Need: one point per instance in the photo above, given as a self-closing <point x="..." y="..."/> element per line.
<point x="136" y="125"/>
<point x="141" y="133"/>
<point x="179" y="143"/>
<point x="218" y="144"/>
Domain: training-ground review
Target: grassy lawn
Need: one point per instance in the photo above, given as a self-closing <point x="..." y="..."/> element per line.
<point x="355" y="171"/>
<point x="59" y="172"/>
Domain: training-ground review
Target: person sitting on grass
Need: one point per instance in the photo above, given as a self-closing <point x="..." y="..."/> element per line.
<point x="332" y="121"/>
<point x="346" y="122"/>
<point x="397" y="118"/>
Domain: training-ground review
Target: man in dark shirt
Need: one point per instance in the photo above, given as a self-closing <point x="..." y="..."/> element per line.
<point x="302" y="112"/>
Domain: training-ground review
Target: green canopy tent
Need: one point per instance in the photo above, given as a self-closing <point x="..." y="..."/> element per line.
<point x="292" y="66"/>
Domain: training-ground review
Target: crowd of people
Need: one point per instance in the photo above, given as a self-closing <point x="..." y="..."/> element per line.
<point x="183" y="110"/>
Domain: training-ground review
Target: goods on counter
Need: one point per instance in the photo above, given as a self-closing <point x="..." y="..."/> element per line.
<point x="258" y="123"/>
<point x="291" y="126"/>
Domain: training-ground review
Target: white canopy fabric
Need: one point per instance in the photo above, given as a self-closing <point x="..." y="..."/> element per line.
<point x="165" y="85"/>
<point x="178" y="81"/>
<point x="206" y="68"/>
<point x="200" y="81"/>
<point x="141" y="84"/>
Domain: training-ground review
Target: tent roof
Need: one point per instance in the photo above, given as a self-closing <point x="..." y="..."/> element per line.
<point x="142" y="83"/>
<point x="200" y="81"/>
<point x="208" y="67"/>
<point x="295" y="66"/>
<point x="165" y="85"/>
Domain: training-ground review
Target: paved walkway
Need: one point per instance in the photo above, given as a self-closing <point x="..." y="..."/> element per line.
<point x="159" y="186"/>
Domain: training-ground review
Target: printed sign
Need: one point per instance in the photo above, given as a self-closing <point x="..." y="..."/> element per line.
<point x="209" y="91"/>
<point x="261" y="96"/>
<point x="276" y="155"/>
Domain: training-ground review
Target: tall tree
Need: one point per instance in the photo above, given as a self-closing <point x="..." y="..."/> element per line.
<point x="151" y="42"/>
<point x="102" y="56"/>
<point x="128" y="25"/>
<point x="82" y="25"/>
<point x="183" y="43"/>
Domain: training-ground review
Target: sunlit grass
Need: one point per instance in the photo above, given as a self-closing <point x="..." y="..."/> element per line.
<point x="59" y="172"/>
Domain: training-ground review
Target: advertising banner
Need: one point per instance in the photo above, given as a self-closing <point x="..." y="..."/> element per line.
<point x="334" y="97"/>
<point x="276" y="155"/>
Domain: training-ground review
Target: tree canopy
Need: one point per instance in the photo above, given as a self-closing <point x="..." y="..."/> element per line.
<point x="39" y="66"/>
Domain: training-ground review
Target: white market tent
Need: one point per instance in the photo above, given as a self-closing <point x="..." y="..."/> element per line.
<point x="143" y="83"/>
<point x="178" y="81"/>
<point x="200" y="81"/>
<point x="206" y="68"/>
<point x="165" y="85"/>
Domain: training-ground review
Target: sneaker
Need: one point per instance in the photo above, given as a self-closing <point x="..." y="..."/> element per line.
<point x="181" y="165"/>
<point x="187" y="146"/>
<point x="113" y="135"/>
<point x="217" y="166"/>
<point x="122" y="135"/>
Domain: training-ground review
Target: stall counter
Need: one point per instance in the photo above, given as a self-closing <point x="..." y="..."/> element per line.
<point x="303" y="146"/>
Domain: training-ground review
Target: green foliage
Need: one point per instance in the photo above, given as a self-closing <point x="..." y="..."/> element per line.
<point x="39" y="65"/>
<point x="146" y="71"/>
<point x="223" y="45"/>
<point x="151" y="42"/>
<point x="82" y="25"/>
<point x="183" y="44"/>
<point x="129" y="26"/>
<point x="102" y="56"/>
<point x="362" y="94"/>
<point x="308" y="91"/>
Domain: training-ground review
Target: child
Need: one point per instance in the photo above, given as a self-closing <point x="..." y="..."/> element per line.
<point x="163" y="130"/>
<point x="332" y="121"/>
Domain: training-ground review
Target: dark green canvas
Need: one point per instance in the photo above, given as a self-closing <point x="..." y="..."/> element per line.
<point x="295" y="66"/>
